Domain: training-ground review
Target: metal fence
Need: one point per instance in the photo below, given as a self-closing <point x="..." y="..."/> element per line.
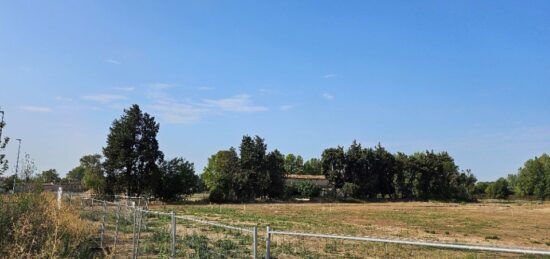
<point x="312" y="245"/>
<point x="126" y="229"/>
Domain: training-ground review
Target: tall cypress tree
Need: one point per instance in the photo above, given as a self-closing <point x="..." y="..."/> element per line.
<point x="132" y="153"/>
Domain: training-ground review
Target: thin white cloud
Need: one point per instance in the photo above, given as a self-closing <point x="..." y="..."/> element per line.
<point x="112" y="61"/>
<point x="125" y="89"/>
<point x="170" y="109"/>
<point x="205" y="88"/>
<point x="63" y="99"/>
<point x="104" y="98"/>
<point x="237" y="103"/>
<point x="328" y="96"/>
<point x="330" y="75"/>
<point x="161" y="85"/>
<point x="173" y="110"/>
<point x="176" y="112"/>
<point x="40" y="109"/>
<point x="285" y="108"/>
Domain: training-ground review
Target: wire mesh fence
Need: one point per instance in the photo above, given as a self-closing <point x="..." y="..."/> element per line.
<point x="129" y="230"/>
<point x="126" y="230"/>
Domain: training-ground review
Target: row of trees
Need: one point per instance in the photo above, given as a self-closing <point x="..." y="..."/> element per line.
<point x="531" y="181"/>
<point x="375" y="172"/>
<point x="253" y="173"/>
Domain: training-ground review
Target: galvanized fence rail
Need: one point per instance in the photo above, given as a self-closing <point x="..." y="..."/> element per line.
<point x="109" y="214"/>
<point x="270" y="233"/>
<point x="140" y="219"/>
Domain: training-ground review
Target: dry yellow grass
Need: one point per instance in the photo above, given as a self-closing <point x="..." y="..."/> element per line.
<point x="35" y="228"/>
<point x="519" y="224"/>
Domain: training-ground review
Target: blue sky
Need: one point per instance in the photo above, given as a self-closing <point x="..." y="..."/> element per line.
<point x="468" y="77"/>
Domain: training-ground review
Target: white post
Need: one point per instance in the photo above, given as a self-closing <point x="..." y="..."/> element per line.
<point x="173" y="252"/>
<point x="255" y="242"/>
<point x="267" y="242"/>
<point x="59" y="194"/>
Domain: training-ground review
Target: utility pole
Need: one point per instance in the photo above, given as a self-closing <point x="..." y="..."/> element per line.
<point x="16" y="164"/>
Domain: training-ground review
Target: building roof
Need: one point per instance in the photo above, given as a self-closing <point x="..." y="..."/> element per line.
<point x="305" y="177"/>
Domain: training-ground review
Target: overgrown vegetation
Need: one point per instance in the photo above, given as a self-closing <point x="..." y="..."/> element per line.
<point x="31" y="226"/>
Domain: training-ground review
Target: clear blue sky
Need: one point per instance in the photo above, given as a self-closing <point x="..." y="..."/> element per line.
<point x="468" y="77"/>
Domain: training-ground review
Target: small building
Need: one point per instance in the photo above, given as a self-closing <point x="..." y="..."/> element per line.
<point x="318" y="180"/>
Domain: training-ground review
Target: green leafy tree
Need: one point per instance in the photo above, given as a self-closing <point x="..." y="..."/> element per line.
<point x="76" y="174"/>
<point x="222" y="175"/>
<point x="313" y="167"/>
<point x="498" y="189"/>
<point x="534" y="177"/>
<point x="275" y="167"/>
<point x="350" y="190"/>
<point x="480" y="188"/>
<point x="3" y="144"/>
<point x="253" y="168"/>
<point x="177" y="178"/>
<point x="385" y="166"/>
<point x="254" y="174"/>
<point x="512" y="183"/>
<point x="333" y="165"/>
<point x="49" y="176"/>
<point x="94" y="174"/>
<point x="132" y="153"/>
<point x="307" y="189"/>
<point x="294" y="164"/>
<point x="404" y="177"/>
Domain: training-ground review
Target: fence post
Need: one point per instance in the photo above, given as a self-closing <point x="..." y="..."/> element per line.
<point x="255" y="242"/>
<point x="173" y="254"/>
<point x="267" y="242"/>
<point x="59" y="194"/>
<point x="146" y="208"/>
<point x="116" y="227"/>
<point x="139" y="230"/>
<point x="134" y="236"/>
<point x="103" y="225"/>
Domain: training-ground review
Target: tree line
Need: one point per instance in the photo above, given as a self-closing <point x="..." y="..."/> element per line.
<point x="531" y="181"/>
<point x="131" y="163"/>
<point x="376" y="173"/>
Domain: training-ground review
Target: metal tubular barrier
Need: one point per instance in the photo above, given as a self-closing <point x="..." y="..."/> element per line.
<point x="215" y="224"/>
<point x="270" y="233"/>
<point x="410" y="242"/>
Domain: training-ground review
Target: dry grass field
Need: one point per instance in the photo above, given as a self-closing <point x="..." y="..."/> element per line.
<point x="516" y="224"/>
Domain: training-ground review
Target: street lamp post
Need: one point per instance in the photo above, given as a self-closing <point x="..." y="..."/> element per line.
<point x="16" y="164"/>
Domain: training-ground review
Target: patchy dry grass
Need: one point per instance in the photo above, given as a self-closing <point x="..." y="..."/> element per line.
<point x="520" y="224"/>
